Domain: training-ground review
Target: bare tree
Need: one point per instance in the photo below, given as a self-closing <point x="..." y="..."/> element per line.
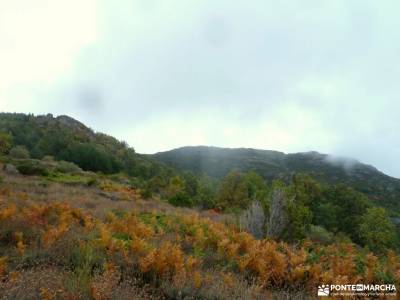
<point x="278" y="220"/>
<point x="253" y="220"/>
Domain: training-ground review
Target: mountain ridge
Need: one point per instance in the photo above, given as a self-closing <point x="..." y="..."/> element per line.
<point x="217" y="162"/>
<point x="335" y="158"/>
<point x="346" y="162"/>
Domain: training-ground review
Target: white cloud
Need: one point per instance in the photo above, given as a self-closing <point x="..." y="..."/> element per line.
<point x="285" y="75"/>
<point x="40" y="41"/>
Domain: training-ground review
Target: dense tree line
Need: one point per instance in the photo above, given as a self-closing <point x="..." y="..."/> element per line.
<point x="337" y="209"/>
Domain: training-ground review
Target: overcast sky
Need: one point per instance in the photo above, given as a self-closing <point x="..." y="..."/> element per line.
<point x="284" y="75"/>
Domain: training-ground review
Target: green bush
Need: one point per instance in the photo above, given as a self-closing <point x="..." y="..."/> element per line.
<point x="146" y="193"/>
<point x="319" y="234"/>
<point x="30" y="167"/>
<point x="19" y="152"/>
<point x="377" y="231"/>
<point x="48" y="158"/>
<point x="67" y="178"/>
<point x="91" y="157"/>
<point x="181" y="199"/>
<point x="67" y="167"/>
<point x="92" y="182"/>
<point x="5" y="143"/>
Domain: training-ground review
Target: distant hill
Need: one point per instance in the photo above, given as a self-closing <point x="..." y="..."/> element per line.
<point x="217" y="162"/>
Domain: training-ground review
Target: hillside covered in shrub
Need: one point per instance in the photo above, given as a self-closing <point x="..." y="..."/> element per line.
<point x="55" y="251"/>
<point x="83" y="216"/>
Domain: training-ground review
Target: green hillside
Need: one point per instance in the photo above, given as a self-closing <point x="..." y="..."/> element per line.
<point x="217" y="162"/>
<point x="65" y="138"/>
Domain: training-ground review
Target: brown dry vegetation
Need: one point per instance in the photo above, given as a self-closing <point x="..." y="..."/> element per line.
<point x="97" y="200"/>
<point x="62" y="241"/>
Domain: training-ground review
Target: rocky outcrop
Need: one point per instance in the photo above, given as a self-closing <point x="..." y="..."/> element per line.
<point x="71" y="123"/>
<point x="64" y="121"/>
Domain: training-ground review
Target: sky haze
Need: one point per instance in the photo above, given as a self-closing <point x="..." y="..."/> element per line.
<point x="284" y="75"/>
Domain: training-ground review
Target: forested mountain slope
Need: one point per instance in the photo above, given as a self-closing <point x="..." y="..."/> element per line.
<point x="217" y="162"/>
<point x="65" y="138"/>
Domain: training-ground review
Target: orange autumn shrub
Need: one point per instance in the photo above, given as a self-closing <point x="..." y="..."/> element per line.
<point x="7" y="212"/>
<point x="20" y="242"/>
<point x="3" y="266"/>
<point x="168" y="260"/>
<point x="181" y="250"/>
